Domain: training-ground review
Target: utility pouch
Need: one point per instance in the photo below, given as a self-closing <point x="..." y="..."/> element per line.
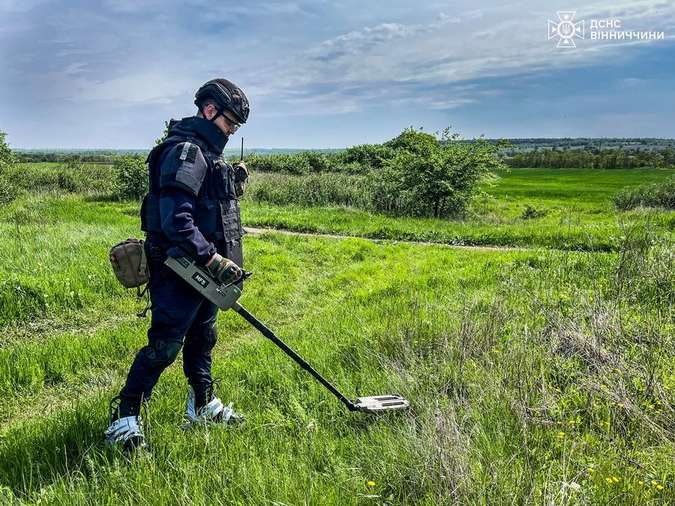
<point x="224" y="178"/>
<point x="129" y="263"/>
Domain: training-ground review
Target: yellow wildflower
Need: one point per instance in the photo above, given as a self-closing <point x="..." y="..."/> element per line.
<point x="615" y="479"/>
<point x="371" y="483"/>
<point x="659" y="487"/>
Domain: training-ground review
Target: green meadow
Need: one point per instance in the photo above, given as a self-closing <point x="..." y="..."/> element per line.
<point x="569" y="209"/>
<point x="538" y="373"/>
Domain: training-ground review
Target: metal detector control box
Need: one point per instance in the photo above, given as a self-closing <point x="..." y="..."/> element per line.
<point x="223" y="296"/>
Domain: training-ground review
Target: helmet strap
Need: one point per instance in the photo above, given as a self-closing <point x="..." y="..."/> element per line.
<point x="219" y="112"/>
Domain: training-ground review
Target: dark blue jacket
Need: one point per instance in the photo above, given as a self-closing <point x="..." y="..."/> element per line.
<point x="191" y="206"/>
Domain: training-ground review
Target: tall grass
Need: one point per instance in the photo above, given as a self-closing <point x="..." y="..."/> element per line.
<point x="311" y="190"/>
<point x="61" y="177"/>
<point x="527" y="379"/>
<point x="39" y="273"/>
<point x="535" y="376"/>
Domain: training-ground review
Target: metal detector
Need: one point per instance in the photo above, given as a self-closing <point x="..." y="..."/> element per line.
<point x="226" y="296"/>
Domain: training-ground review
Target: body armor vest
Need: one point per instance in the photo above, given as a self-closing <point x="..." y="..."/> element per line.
<point x="216" y="214"/>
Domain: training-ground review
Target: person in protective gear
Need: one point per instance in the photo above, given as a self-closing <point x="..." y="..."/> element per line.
<point x="191" y="208"/>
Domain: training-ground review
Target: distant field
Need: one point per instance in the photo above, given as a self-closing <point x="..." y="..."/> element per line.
<point x="554" y="208"/>
<point x="576" y="185"/>
<point x="573" y="210"/>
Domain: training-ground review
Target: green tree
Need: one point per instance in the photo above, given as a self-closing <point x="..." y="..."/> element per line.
<point x="432" y="176"/>
<point x="416" y="141"/>
<point x="131" y="177"/>
<point x="8" y="191"/>
<point x="7" y="157"/>
<point x="363" y="157"/>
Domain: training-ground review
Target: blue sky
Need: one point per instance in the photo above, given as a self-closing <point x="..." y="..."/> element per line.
<point x="107" y="74"/>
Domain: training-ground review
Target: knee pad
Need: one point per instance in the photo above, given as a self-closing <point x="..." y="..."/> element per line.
<point x="163" y="353"/>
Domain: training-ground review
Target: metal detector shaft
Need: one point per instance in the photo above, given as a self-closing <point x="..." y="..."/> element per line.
<point x="225" y="296"/>
<point x="291" y="353"/>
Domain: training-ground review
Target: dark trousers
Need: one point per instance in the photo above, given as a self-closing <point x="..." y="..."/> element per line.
<point x="181" y="317"/>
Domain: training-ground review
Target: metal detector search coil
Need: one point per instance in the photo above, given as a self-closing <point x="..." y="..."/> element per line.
<point x="381" y="403"/>
<point x="226" y="296"/>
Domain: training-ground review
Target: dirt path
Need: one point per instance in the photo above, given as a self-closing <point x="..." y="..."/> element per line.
<point x="260" y="231"/>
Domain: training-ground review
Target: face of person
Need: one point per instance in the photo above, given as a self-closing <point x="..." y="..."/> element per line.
<point x="226" y="122"/>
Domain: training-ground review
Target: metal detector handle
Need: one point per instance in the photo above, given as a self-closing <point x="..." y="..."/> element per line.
<point x="244" y="276"/>
<point x="291" y="353"/>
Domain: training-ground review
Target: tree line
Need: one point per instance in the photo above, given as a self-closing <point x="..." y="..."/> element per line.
<point x="357" y="159"/>
<point x="592" y="159"/>
<point x="92" y="156"/>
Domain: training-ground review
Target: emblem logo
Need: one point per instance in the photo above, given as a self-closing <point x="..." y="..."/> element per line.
<point x="565" y="29"/>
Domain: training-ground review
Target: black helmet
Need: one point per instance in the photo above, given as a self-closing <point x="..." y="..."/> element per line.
<point x="227" y="95"/>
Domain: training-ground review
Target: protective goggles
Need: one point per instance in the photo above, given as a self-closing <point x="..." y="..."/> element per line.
<point x="233" y="124"/>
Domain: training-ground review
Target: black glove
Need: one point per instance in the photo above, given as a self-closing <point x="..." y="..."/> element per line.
<point x="240" y="178"/>
<point x="223" y="269"/>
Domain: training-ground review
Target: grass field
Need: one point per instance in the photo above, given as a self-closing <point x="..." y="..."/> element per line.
<point x="535" y="376"/>
<point x="572" y="210"/>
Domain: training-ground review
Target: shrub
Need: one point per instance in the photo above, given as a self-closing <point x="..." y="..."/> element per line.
<point x="415" y="174"/>
<point x="8" y="191"/>
<point x="531" y="212"/>
<point x="431" y="178"/>
<point x="90" y="178"/>
<point x="360" y="159"/>
<point x="310" y="190"/>
<point x="131" y="177"/>
<point x="355" y="160"/>
<point x="413" y="141"/>
<point x="66" y="182"/>
<point x="7" y="157"/>
<point x="317" y="162"/>
<point x="648" y="195"/>
<point x="287" y="163"/>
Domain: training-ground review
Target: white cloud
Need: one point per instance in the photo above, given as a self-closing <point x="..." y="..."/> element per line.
<point x="137" y="88"/>
<point x="449" y="50"/>
<point x="357" y="42"/>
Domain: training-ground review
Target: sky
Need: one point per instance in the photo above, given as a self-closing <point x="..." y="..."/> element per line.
<point x="321" y="74"/>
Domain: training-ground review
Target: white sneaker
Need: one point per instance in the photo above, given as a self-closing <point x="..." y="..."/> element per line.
<point x="213" y="412"/>
<point x="126" y="430"/>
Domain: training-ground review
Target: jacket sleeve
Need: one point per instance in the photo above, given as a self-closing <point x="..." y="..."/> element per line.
<point x="182" y="172"/>
<point x="176" y="210"/>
